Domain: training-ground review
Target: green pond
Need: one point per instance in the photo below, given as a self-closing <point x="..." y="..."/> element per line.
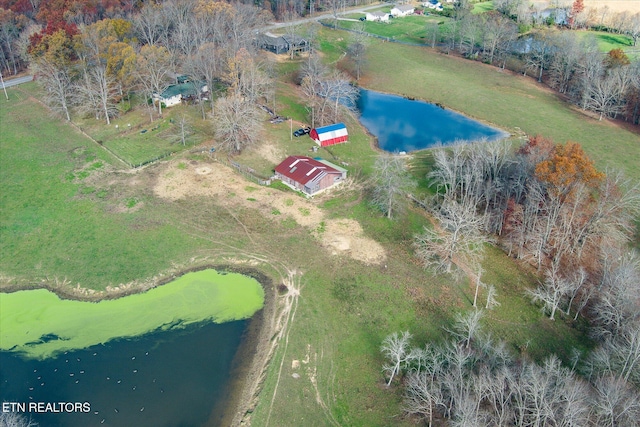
<point x="38" y="324"/>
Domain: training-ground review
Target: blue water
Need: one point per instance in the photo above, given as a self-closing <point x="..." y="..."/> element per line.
<point x="404" y="125"/>
<point x="165" y="378"/>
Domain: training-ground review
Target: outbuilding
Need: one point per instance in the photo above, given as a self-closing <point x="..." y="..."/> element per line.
<point x="330" y="135"/>
<point x="308" y="175"/>
<point x="377" y="16"/>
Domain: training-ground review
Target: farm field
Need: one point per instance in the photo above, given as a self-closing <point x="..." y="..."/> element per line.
<point x="352" y="276"/>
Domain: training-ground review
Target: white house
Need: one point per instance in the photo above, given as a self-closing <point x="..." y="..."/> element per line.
<point x="377" y="16"/>
<point x="402" y="10"/>
<point x="174" y="94"/>
<point x="433" y="4"/>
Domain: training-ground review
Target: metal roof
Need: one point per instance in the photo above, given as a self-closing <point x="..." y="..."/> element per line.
<point x="184" y="89"/>
<point x="304" y="169"/>
<point x="330" y="128"/>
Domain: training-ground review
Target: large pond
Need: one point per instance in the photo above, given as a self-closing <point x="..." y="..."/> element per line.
<point x="161" y="358"/>
<point x="401" y="124"/>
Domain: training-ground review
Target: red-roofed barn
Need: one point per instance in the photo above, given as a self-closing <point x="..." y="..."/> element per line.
<point x="330" y="135"/>
<point x="309" y="175"/>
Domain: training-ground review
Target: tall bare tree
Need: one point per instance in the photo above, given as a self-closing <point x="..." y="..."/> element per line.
<point x="237" y="123"/>
<point x="396" y="350"/>
<point x="455" y="238"/>
<point x="152" y="70"/>
<point x="391" y="183"/>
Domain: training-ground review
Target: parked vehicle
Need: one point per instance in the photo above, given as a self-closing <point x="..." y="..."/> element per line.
<point x="302" y="131"/>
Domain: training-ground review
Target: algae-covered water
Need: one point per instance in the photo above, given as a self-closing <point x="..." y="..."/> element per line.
<point x="161" y="358"/>
<point x="38" y="324"/>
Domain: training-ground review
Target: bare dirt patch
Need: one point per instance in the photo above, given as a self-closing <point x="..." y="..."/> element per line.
<point x="346" y="236"/>
<point x="339" y="236"/>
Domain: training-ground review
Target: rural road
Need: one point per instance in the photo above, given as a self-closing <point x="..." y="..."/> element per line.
<point x="17" y="81"/>
<point x="277" y="25"/>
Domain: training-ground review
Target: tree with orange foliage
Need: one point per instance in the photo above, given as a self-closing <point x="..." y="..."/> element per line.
<point x="616" y="58"/>
<point x="576" y="9"/>
<point x="568" y="166"/>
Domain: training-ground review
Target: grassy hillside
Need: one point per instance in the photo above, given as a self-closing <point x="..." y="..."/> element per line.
<point x="512" y="102"/>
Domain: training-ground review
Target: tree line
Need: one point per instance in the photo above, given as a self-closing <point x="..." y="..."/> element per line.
<point x="472" y="380"/>
<point x="605" y="84"/>
<point x="545" y="204"/>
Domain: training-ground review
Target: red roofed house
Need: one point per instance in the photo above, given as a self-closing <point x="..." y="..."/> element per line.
<point x="330" y="135"/>
<point x="309" y="175"/>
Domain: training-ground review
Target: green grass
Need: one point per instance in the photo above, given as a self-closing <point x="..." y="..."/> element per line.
<point x="482" y="7"/>
<point x="51" y="227"/>
<point x="608" y="41"/>
<point x="134" y="138"/>
<point x="408" y="29"/>
<point x="509" y="101"/>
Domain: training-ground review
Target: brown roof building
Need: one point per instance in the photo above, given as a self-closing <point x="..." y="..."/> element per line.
<point x="308" y="175"/>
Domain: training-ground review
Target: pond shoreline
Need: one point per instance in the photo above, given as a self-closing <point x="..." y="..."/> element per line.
<point x="420" y="102"/>
<point x="251" y="358"/>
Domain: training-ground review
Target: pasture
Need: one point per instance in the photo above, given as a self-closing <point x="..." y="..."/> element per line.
<point x="71" y="215"/>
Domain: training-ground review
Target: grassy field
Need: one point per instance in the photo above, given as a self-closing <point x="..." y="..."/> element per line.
<point x="410" y="29"/>
<point x="608" y="41"/>
<point x="482" y="7"/>
<point x="67" y="212"/>
<point x="512" y="102"/>
<point x="137" y="140"/>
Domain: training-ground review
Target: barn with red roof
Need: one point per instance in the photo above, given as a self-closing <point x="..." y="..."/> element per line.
<point x="330" y="135"/>
<point x="309" y="175"/>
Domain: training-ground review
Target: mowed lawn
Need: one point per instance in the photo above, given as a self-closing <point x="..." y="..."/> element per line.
<point x="512" y="102"/>
<point x="410" y="29"/>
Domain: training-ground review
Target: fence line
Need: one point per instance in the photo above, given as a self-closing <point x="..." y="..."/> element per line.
<point x="248" y="172"/>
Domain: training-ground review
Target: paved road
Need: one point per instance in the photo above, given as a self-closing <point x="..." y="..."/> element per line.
<point x="17" y="81"/>
<point x="277" y="25"/>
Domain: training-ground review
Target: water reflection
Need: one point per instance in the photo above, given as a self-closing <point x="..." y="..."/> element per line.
<point x="404" y="125"/>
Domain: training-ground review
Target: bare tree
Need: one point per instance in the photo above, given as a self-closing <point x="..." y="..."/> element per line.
<point x="467" y="326"/>
<point x="152" y="71"/>
<point x="552" y="293"/>
<point x="357" y="48"/>
<point x="491" y="298"/>
<point x="616" y="403"/>
<point x="567" y="55"/>
<point x="205" y="64"/>
<point x="150" y="24"/>
<point x="238" y="123"/>
<point x="391" y="183"/>
<point x="58" y="81"/>
<point x="312" y="73"/>
<point x="422" y="395"/>
<point x="183" y="128"/>
<point x="395" y="348"/>
<point x="456" y="237"/>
